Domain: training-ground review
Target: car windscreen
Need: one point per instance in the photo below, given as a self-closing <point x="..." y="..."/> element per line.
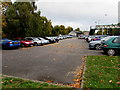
<point x="106" y="38"/>
<point x="117" y="40"/>
<point x="42" y="38"/>
<point x="29" y="39"/>
<point x="36" y="39"/>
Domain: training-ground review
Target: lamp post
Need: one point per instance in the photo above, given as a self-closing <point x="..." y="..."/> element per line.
<point x="102" y="30"/>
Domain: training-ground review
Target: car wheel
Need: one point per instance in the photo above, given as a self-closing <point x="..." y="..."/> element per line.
<point x="22" y="45"/>
<point x="97" y="47"/>
<point x="30" y="45"/>
<point x="111" y="52"/>
<point x="35" y="44"/>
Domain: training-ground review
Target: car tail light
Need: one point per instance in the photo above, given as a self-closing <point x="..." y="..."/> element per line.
<point x="105" y="45"/>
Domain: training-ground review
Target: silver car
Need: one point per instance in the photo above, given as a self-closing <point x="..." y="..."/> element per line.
<point x="35" y="40"/>
<point x="97" y="44"/>
<point x="44" y="41"/>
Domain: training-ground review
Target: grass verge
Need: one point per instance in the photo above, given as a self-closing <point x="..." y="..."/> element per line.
<point x="11" y="82"/>
<point x="102" y="72"/>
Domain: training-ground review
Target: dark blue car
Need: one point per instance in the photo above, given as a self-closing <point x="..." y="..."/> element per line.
<point x="6" y="43"/>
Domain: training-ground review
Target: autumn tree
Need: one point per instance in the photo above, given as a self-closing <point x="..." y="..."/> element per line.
<point x="3" y="7"/>
<point x="22" y="21"/>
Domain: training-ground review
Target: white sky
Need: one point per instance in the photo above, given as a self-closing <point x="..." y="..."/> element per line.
<point x="79" y="13"/>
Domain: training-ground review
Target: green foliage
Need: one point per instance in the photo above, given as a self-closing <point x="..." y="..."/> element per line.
<point x="61" y="30"/>
<point x="77" y="29"/>
<point x="3" y="8"/>
<point x="118" y="24"/>
<point x="22" y="21"/>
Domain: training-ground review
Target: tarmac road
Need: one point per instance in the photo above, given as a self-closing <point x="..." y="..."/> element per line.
<point x="55" y="62"/>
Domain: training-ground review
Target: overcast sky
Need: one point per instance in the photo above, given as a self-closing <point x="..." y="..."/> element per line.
<point x="79" y="13"/>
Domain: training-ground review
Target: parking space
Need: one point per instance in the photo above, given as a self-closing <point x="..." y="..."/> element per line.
<point x="55" y="62"/>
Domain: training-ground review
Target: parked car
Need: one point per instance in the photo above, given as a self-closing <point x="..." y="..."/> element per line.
<point x="81" y="36"/>
<point x="56" y="39"/>
<point x="35" y="40"/>
<point x="7" y="43"/>
<point x="69" y="36"/>
<point x="60" y="37"/>
<point x="25" y="42"/>
<point x="97" y="44"/>
<point x="51" y="40"/>
<point x="112" y="46"/>
<point x="44" y="41"/>
<point x="89" y="38"/>
<point x="99" y="37"/>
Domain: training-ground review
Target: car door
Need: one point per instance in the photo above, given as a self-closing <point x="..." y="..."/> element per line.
<point x="116" y="43"/>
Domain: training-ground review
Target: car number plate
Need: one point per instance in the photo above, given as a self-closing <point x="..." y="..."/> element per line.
<point x="15" y="42"/>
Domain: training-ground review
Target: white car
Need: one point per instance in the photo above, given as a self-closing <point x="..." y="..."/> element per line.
<point x="35" y="40"/>
<point x="44" y="41"/>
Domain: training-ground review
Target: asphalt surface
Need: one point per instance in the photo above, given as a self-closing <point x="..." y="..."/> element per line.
<point x="55" y="62"/>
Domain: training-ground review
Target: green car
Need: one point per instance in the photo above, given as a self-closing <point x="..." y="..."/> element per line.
<point x="112" y="46"/>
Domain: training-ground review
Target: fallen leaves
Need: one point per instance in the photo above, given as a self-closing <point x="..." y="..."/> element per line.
<point x="101" y="81"/>
<point x="78" y="75"/>
<point x="49" y="81"/>
<point x="1" y="82"/>
<point x="118" y="83"/>
<point x="11" y="81"/>
<point x="110" y="81"/>
<point x="77" y="80"/>
<point x="77" y="85"/>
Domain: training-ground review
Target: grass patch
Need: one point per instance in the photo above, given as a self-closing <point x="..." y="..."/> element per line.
<point x="102" y="72"/>
<point x="10" y="82"/>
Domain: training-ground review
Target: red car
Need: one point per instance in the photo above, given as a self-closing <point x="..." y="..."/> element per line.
<point x="24" y="42"/>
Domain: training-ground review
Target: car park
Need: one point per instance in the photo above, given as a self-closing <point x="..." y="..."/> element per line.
<point x="89" y="38"/>
<point x="60" y="38"/>
<point x="112" y="46"/>
<point x="36" y="41"/>
<point x="51" y="40"/>
<point x="56" y="39"/>
<point x="32" y="41"/>
<point x="25" y="42"/>
<point x="97" y="44"/>
<point x="7" y="43"/>
<point x="69" y="36"/>
<point x="81" y="36"/>
<point x="99" y="37"/>
<point x="44" y="41"/>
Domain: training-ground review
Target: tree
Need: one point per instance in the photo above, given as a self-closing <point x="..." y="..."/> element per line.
<point x="23" y="21"/>
<point x="118" y="24"/>
<point x="68" y="30"/>
<point x="3" y="7"/>
<point x="62" y="29"/>
<point x="56" y="30"/>
<point x="77" y="29"/>
<point x="19" y="20"/>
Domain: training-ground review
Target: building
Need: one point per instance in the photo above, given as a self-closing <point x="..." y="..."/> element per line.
<point x="75" y="33"/>
<point x="86" y="32"/>
<point x="113" y="29"/>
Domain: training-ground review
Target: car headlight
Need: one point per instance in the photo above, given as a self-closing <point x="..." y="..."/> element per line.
<point x="26" y="42"/>
<point x="91" y="44"/>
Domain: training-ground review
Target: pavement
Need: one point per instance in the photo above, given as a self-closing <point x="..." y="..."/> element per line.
<point x="54" y="62"/>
